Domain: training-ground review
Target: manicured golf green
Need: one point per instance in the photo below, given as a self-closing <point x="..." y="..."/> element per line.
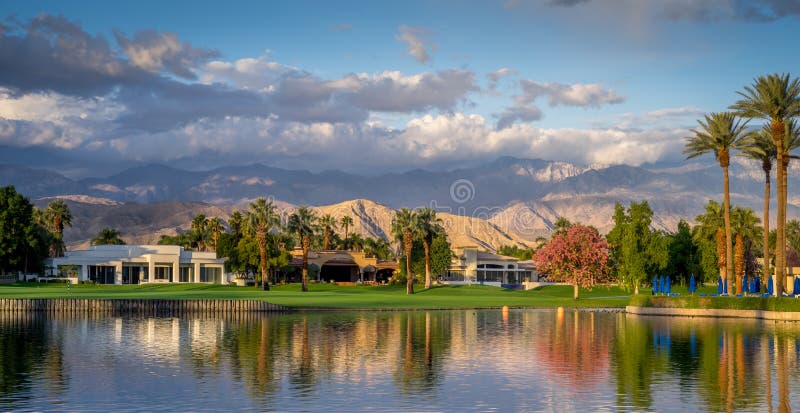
<point x="327" y="296"/>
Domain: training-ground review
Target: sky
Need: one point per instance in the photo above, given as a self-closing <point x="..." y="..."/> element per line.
<point x="373" y="87"/>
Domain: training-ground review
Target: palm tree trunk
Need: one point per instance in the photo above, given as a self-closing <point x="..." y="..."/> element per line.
<point x="766" y="271"/>
<point x="306" y="241"/>
<point x="739" y="263"/>
<point x="262" y="249"/>
<point x="326" y="241"/>
<point x="427" y="245"/>
<point x="408" y="244"/>
<point x="728" y="232"/>
<point x="778" y="131"/>
<point x="575" y="291"/>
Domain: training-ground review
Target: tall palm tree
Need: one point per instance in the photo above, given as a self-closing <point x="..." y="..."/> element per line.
<point x="405" y="228"/>
<point x="328" y="224"/>
<point x="260" y="218"/>
<point x="108" y="236"/>
<point x="346" y="222"/>
<point x="760" y="147"/>
<point x="429" y="227"/>
<point x="200" y="230"/>
<point x="719" y="133"/>
<point x="235" y="223"/>
<point x="215" y="227"/>
<point x="303" y="223"/>
<point x="776" y="99"/>
<point x="58" y="214"/>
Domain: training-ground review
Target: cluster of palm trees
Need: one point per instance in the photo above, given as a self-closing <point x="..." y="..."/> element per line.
<point x="421" y="224"/>
<point x="263" y="220"/>
<point x="54" y="218"/>
<point x="774" y="99"/>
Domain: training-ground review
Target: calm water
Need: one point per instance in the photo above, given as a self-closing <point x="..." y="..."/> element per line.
<point x="526" y="360"/>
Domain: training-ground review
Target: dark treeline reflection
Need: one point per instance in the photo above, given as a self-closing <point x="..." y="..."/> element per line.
<point x="402" y="360"/>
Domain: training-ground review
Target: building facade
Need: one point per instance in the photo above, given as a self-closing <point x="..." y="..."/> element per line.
<point x="473" y="266"/>
<point x="138" y="264"/>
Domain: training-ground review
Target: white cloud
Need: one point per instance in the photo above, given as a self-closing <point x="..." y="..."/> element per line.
<point x="416" y="39"/>
<point x="576" y="94"/>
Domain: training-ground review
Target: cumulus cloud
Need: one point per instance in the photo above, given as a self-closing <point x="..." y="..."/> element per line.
<point x="577" y="94"/>
<point x="417" y="42"/>
<point x="587" y="95"/>
<point x="692" y="10"/>
<point x="494" y="77"/>
<point x="154" y="51"/>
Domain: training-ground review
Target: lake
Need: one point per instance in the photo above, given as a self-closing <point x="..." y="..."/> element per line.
<point x="522" y="360"/>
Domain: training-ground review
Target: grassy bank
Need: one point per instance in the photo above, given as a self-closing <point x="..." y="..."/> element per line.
<point x="723" y="303"/>
<point x="337" y="297"/>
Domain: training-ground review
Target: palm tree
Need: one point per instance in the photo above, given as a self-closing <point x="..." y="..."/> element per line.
<point x="235" y="223"/>
<point x="356" y="242"/>
<point x="303" y="223"/>
<point x="405" y="228"/>
<point x="200" y="230"/>
<point x="429" y="227"/>
<point x="215" y="227"/>
<point x="761" y="148"/>
<point x="719" y="133"/>
<point x="346" y="222"/>
<point x="775" y="98"/>
<point x="58" y="214"/>
<point x="328" y="224"/>
<point x="108" y="236"/>
<point x="260" y="217"/>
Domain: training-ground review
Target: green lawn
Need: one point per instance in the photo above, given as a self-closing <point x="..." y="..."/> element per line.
<point x="335" y="297"/>
<point x="727" y="303"/>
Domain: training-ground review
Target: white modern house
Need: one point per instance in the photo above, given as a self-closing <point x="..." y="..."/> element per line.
<point x="470" y="265"/>
<point x="138" y="264"/>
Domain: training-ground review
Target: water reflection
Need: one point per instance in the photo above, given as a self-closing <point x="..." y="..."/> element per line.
<point x="459" y="360"/>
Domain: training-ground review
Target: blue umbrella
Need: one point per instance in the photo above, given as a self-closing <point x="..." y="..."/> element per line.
<point x="756" y="285"/>
<point x="796" y="285"/>
<point x="663" y="285"/>
<point x="725" y="287"/>
<point x="667" y="289"/>
<point x="719" y="285"/>
<point x="655" y="285"/>
<point x="692" y="284"/>
<point x="769" y="286"/>
<point x="745" y="284"/>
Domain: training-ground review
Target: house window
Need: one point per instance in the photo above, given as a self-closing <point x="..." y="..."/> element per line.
<point x="186" y="273"/>
<point x="163" y="273"/>
<point x="211" y="275"/>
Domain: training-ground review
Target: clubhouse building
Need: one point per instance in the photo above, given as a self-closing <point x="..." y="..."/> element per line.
<point x="470" y="265"/>
<point x="138" y="264"/>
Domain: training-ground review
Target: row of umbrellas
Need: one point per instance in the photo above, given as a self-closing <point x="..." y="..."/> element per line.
<point x="752" y="285"/>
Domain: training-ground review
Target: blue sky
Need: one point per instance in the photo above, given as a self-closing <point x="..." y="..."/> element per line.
<point x="584" y="81"/>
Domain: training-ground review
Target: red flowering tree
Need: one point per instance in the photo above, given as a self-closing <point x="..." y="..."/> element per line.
<point x="578" y="256"/>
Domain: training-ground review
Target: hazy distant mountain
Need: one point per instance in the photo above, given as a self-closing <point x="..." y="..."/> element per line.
<point x="516" y="200"/>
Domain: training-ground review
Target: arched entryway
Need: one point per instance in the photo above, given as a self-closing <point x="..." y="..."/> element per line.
<point x="339" y="270"/>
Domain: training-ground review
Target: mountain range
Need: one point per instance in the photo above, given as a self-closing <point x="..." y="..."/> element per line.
<point x="507" y="201"/>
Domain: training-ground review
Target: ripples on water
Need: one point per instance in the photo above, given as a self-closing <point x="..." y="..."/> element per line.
<point x="525" y="360"/>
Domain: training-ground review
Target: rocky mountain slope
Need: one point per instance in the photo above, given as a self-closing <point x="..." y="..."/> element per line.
<point x="506" y="201"/>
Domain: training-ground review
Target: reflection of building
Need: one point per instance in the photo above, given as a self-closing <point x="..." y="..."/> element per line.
<point x="134" y="264"/>
<point x="470" y="265"/>
<point x="345" y="266"/>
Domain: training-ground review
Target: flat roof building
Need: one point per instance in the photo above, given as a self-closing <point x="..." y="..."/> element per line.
<point x="138" y="264"/>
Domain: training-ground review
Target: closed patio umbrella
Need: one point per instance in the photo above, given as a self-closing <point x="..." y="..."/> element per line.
<point x="769" y="286"/>
<point x="692" y="284"/>
<point x="755" y="285"/>
<point x="745" y="284"/>
<point x="663" y="284"/>
<point x="719" y="285"/>
<point x="667" y="290"/>
<point x="655" y="285"/>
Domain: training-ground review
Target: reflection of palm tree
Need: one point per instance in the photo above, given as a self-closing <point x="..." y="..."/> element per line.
<point x="781" y="361"/>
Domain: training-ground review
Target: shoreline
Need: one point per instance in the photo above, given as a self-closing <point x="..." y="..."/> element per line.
<point x="713" y="313"/>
